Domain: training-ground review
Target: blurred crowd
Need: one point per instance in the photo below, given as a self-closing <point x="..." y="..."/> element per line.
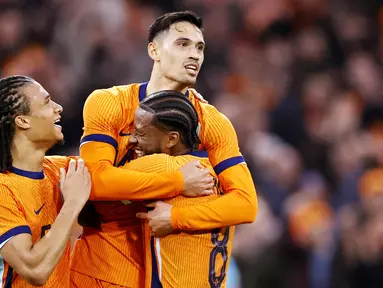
<point x="301" y="81"/>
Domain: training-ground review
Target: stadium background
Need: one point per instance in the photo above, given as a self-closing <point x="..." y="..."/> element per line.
<point x="301" y="80"/>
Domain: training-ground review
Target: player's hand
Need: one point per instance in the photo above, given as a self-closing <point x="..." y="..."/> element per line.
<point x="75" y="184"/>
<point x="159" y="219"/>
<point x="197" y="180"/>
<point x="198" y="95"/>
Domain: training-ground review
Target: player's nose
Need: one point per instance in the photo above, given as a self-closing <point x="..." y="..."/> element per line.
<point x="133" y="140"/>
<point x="195" y="57"/>
<point x="58" y="108"/>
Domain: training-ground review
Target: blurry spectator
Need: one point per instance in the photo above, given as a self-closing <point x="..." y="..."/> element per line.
<point x="301" y="81"/>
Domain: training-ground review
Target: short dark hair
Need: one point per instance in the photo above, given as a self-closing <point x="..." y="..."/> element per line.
<point x="173" y="111"/>
<point x="12" y="103"/>
<point x="164" y="22"/>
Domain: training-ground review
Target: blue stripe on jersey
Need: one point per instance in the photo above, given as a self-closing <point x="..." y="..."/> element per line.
<point x="8" y="280"/>
<point x="127" y="158"/>
<point x="225" y="164"/>
<point x="156" y="283"/>
<point x="29" y="174"/>
<point x="201" y="154"/>
<point x="142" y="91"/>
<point x="99" y="138"/>
<point x="15" y="231"/>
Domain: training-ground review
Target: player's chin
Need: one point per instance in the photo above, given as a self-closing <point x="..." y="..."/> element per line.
<point x="59" y="138"/>
<point x="189" y="80"/>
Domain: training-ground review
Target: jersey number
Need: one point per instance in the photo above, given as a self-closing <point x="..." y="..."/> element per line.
<point x="220" y="248"/>
<point x="44" y="230"/>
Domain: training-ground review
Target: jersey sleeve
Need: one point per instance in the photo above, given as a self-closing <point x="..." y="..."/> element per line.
<point x="60" y="161"/>
<point x="236" y="207"/>
<point x="103" y="116"/>
<point x="239" y="204"/>
<point x="12" y="218"/>
<point x="156" y="163"/>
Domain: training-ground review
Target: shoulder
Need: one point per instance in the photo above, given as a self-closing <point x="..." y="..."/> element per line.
<point x="206" y="111"/>
<point x="111" y="103"/>
<point x="6" y="182"/>
<point x="56" y="161"/>
<point x="52" y="165"/>
<point x="116" y="93"/>
<point x="152" y="159"/>
<point x="9" y="186"/>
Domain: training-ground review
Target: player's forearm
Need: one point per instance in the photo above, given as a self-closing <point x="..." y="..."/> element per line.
<point x="238" y="206"/>
<point x="228" y="210"/>
<point x="47" y="252"/>
<point x="112" y="183"/>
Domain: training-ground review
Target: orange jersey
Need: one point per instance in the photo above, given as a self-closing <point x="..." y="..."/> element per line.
<point x="108" y="122"/>
<point x="30" y="203"/>
<point x="196" y="259"/>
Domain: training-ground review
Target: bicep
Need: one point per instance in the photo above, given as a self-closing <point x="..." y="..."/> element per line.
<point x="12" y="218"/>
<point x="102" y="116"/>
<point x="97" y="153"/>
<point x="17" y="253"/>
<point x="220" y="140"/>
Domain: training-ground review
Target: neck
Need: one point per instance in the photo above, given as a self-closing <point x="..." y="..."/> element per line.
<point x="180" y="150"/>
<point x="26" y="156"/>
<point x="159" y="82"/>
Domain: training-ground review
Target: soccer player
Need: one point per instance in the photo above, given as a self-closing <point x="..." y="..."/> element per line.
<point x="35" y="225"/>
<point x="169" y="122"/>
<point x="176" y="46"/>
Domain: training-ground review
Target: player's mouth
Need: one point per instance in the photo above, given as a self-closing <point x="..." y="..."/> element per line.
<point x="139" y="152"/>
<point x="192" y="68"/>
<point x="56" y="122"/>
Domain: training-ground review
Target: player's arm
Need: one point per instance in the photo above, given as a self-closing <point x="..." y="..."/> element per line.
<point x="156" y="163"/>
<point x="103" y="116"/>
<point x="239" y="204"/>
<point x="36" y="261"/>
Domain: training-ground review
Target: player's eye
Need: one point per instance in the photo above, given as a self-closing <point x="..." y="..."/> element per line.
<point x="183" y="44"/>
<point x="201" y="47"/>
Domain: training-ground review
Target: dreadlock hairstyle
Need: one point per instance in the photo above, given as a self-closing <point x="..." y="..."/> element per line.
<point x="164" y="22"/>
<point x="12" y="103"/>
<point x="173" y="111"/>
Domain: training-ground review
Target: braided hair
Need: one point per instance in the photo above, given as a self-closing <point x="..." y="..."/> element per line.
<point x="12" y="103"/>
<point x="173" y="111"/>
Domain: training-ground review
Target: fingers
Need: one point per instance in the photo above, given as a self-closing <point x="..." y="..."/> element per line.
<point x="207" y="192"/>
<point x="151" y="205"/>
<point x="143" y="215"/>
<point x="72" y="166"/>
<point x="207" y="172"/>
<point x="62" y="178"/>
<point x="87" y="176"/>
<point x="80" y="164"/>
<point x="198" y="164"/>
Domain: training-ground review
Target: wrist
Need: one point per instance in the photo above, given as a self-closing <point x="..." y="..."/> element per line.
<point x="73" y="205"/>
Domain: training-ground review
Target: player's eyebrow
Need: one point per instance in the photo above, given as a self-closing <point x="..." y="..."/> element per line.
<point x="189" y="40"/>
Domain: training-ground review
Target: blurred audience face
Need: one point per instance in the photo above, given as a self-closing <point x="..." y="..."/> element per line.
<point x="363" y="74"/>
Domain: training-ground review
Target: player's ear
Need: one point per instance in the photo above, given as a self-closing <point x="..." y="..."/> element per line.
<point x="153" y="51"/>
<point x="22" y="122"/>
<point x="173" y="139"/>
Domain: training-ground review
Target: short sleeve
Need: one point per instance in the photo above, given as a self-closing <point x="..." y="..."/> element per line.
<point x="102" y="118"/>
<point x="12" y="218"/>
